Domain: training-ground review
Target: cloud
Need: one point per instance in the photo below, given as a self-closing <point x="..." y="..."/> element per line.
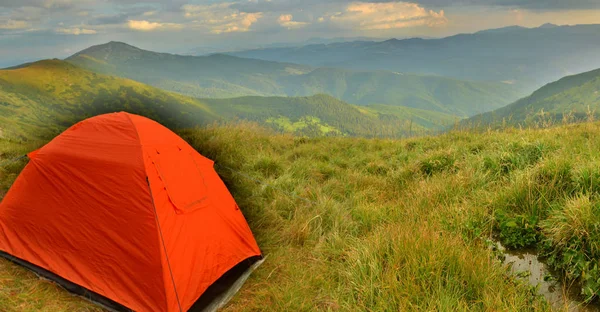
<point x="538" y="5"/>
<point x="286" y="20"/>
<point x="75" y="31"/>
<point x="110" y="19"/>
<point x="220" y="18"/>
<point x="47" y="4"/>
<point x="144" y="25"/>
<point x="386" y="15"/>
<point x="13" y="25"/>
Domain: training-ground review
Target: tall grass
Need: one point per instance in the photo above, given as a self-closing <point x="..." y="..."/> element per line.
<point x="355" y="224"/>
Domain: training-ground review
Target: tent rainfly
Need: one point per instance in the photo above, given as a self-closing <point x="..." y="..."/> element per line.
<point x="121" y="210"/>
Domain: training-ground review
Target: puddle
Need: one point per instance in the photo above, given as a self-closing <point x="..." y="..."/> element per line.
<point x="526" y="265"/>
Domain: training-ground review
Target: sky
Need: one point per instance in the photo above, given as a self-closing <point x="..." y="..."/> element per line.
<point x="37" y="29"/>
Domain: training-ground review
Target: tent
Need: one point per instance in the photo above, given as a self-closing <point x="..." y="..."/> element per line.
<point x="123" y="211"/>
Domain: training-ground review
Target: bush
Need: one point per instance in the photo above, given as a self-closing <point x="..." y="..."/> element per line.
<point x="518" y="231"/>
<point x="573" y="242"/>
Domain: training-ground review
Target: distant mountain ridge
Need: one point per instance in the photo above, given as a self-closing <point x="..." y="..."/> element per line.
<point x="40" y="99"/>
<point x="224" y="76"/>
<point x="529" y="56"/>
<point x="575" y="98"/>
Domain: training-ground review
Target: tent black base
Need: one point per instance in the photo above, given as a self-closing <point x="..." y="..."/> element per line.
<point x="221" y="291"/>
<point x="69" y="286"/>
<point x="214" y="297"/>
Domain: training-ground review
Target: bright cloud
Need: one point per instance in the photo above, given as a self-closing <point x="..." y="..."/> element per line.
<point x="286" y="20"/>
<point x="144" y="25"/>
<point x="221" y="18"/>
<point x="387" y="15"/>
<point x="75" y="31"/>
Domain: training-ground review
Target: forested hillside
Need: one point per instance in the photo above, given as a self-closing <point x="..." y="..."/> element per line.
<point x="223" y="76"/>
<point x="570" y="99"/>
<point x="527" y="57"/>
<point x="42" y="98"/>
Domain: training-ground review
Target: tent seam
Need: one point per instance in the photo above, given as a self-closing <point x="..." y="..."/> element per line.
<point x="156" y="215"/>
<point x="164" y="246"/>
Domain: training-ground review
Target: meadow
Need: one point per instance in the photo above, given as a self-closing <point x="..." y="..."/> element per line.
<point x="354" y="224"/>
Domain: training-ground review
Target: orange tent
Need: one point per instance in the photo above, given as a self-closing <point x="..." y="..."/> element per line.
<point x="120" y="206"/>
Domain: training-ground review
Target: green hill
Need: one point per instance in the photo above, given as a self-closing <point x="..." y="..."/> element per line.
<point x="223" y="76"/>
<point x="216" y="75"/>
<point x="572" y="98"/>
<point x="325" y="115"/>
<point x="450" y="96"/>
<point x="47" y="96"/>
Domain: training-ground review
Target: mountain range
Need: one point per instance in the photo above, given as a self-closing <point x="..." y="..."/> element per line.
<point x="572" y="98"/>
<point x="40" y="99"/>
<point x="224" y="76"/>
<point x="527" y="57"/>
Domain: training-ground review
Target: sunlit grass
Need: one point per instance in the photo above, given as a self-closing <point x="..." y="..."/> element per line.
<point x="356" y="224"/>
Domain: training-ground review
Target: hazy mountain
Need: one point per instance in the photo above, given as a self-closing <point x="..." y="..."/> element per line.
<point x="223" y="76"/>
<point x="571" y="98"/>
<point x="526" y="56"/>
<point x="40" y="99"/>
<point x="237" y="46"/>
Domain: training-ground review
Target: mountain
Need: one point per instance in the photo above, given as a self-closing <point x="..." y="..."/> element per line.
<point x="216" y="75"/>
<point x="223" y="76"/>
<point x="325" y="115"/>
<point x="45" y="97"/>
<point x="571" y="98"/>
<point x="450" y="96"/>
<point x="237" y="46"/>
<point x="42" y="98"/>
<point x="529" y="57"/>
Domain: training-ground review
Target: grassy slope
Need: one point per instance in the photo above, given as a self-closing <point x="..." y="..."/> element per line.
<point x="205" y="76"/>
<point x="343" y="118"/>
<point x="572" y="97"/>
<point x="440" y="94"/>
<point x="46" y="96"/>
<point x="401" y="224"/>
<point x="221" y="76"/>
<point x="423" y="118"/>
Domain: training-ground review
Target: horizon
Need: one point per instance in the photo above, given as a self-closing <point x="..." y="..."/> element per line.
<point x="38" y="29"/>
<point x="310" y="41"/>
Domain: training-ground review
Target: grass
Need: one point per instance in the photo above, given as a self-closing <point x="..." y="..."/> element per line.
<point x="394" y="225"/>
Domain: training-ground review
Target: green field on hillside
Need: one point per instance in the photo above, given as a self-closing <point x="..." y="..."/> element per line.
<point x="391" y="225"/>
<point x="224" y="76"/>
<point x="570" y="99"/>
<point x="47" y="96"/>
